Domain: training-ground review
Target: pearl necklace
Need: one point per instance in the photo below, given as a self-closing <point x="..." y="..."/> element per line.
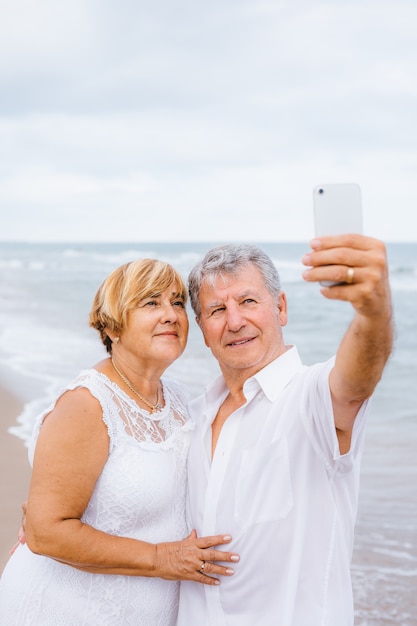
<point x="152" y="407"/>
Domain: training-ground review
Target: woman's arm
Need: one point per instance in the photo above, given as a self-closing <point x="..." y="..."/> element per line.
<point x="71" y="452"/>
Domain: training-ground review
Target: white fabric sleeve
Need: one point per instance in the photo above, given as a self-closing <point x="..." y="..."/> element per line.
<point x="318" y="418"/>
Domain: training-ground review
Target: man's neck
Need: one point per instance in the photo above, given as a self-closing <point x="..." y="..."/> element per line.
<point x="230" y="404"/>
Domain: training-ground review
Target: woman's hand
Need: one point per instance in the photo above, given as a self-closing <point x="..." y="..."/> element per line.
<point x="194" y="559"/>
<point x="21" y="532"/>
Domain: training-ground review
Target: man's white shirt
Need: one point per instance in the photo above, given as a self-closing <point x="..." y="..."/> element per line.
<point x="278" y="484"/>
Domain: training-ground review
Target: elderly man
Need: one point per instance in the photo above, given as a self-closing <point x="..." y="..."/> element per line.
<point x="276" y="453"/>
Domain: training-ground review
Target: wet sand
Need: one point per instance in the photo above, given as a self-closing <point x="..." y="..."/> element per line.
<point x="14" y="474"/>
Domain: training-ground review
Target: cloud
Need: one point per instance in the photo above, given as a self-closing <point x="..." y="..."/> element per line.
<point x="156" y="114"/>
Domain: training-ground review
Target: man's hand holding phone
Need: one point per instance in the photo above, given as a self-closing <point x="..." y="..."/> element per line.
<point x="337" y="211"/>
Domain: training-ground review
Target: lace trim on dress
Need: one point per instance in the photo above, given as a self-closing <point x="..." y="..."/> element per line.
<point x="123" y="417"/>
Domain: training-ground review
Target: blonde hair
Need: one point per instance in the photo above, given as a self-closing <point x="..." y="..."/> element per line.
<point x="124" y="288"/>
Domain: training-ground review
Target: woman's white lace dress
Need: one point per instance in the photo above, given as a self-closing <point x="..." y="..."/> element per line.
<point x="140" y="494"/>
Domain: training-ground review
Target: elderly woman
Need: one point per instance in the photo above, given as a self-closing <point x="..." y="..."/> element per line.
<point x="105" y="521"/>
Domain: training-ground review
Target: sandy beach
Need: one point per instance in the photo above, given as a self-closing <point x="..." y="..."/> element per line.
<point x="14" y="473"/>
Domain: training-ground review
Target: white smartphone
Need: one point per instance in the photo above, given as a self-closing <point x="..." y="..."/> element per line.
<point x="337" y="210"/>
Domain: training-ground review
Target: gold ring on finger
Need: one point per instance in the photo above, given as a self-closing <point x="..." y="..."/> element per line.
<point x="350" y="275"/>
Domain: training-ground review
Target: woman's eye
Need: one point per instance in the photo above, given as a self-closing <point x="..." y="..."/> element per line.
<point x="179" y="303"/>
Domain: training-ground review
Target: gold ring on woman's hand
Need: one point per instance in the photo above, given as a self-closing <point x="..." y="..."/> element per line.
<point x="201" y="570"/>
<point x="350" y="275"/>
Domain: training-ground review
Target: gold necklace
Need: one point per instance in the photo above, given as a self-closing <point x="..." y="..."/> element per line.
<point x="152" y="407"/>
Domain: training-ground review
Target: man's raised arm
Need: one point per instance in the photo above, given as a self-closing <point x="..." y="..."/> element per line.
<point x="360" y="264"/>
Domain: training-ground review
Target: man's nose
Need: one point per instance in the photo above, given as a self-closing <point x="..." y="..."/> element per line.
<point x="234" y="318"/>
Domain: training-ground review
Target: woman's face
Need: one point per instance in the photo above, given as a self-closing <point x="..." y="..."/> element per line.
<point x="157" y="329"/>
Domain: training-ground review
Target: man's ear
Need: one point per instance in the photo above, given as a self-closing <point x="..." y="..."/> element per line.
<point x="282" y="309"/>
<point x="198" y="321"/>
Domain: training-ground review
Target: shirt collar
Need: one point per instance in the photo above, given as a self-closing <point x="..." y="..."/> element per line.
<point x="275" y="376"/>
<point x="272" y="378"/>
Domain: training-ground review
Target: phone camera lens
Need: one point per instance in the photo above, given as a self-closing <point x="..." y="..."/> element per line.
<point x="321" y="190"/>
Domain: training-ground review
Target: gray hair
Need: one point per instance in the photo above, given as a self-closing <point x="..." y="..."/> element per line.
<point x="230" y="259"/>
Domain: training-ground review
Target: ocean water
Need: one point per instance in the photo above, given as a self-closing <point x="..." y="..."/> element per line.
<point x="46" y="292"/>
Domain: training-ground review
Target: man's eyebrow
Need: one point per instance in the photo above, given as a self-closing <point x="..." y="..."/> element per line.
<point x="248" y="293"/>
<point x="241" y="296"/>
<point x="215" y="303"/>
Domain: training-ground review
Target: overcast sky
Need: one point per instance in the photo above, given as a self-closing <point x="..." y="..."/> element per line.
<point x="174" y="120"/>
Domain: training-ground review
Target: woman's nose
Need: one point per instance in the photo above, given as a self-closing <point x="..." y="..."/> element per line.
<point x="169" y="313"/>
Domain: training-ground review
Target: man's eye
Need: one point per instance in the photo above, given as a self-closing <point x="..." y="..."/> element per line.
<point x="218" y="310"/>
<point x="248" y="301"/>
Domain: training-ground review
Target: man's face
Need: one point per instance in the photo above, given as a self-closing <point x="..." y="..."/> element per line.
<point x="241" y="322"/>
